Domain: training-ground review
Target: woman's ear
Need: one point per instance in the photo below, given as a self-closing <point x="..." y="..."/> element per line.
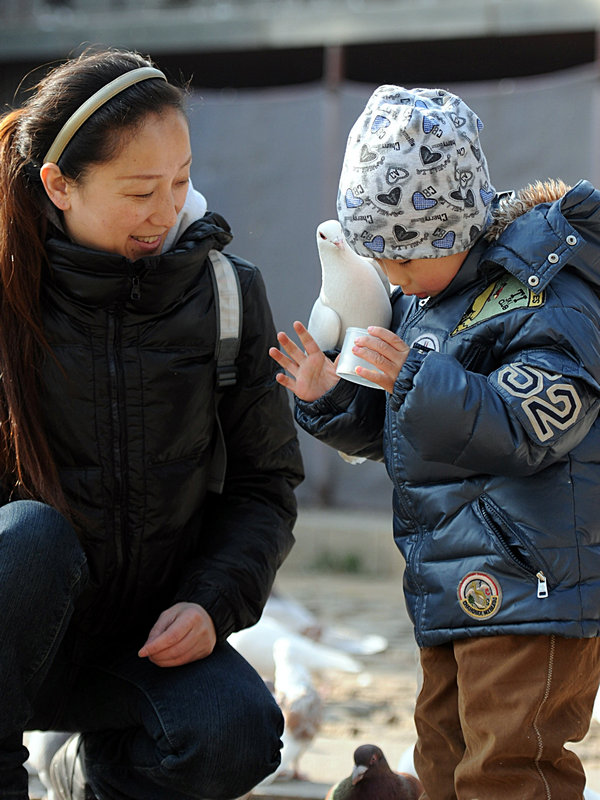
<point x="56" y="185"/>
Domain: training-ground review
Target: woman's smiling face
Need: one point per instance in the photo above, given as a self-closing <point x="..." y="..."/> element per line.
<point x="127" y="205"/>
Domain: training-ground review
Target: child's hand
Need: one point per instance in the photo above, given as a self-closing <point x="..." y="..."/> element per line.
<point x="311" y="373"/>
<point x="384" y="350"/>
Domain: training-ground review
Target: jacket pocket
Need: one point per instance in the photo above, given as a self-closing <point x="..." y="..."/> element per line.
<point x="514" y="545"/>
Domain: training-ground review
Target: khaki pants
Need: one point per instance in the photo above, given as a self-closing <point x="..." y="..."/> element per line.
<point x="495" y="712"/>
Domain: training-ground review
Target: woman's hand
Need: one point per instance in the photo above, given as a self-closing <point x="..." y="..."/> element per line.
<point x="384" y="350"/>
<point x="183" y="633"/>
<point x="311" y="373"/>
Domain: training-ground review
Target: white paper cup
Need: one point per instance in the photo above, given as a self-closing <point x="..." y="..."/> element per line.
<point x="348" y="361"/>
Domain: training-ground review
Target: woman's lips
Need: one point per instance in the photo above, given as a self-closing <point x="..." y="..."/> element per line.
<point x="147" y="244"/>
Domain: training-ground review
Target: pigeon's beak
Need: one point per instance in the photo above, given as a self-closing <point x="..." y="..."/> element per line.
<point x="357" y="774"/>
<point x="339" y="242"/>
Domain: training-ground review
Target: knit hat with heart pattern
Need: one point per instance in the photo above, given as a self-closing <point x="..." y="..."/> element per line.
<point x="414" y="181"/>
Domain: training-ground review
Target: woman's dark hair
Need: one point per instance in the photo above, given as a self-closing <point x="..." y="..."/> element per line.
<point x="27" y="466"/>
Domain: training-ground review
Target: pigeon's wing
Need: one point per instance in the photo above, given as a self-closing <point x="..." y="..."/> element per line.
<point x="303" y="714"/>
<point x="340" y="790"/>
<point x="412" y="787"/>
<point x="291" y="613"/>
<point x="324" y="325"/>
<point x="382" y="276"/>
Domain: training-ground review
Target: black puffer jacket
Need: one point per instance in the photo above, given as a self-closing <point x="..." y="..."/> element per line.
<point x="131" y="420"/>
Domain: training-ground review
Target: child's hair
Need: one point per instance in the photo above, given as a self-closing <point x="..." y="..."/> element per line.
<point x="27" y="467"/>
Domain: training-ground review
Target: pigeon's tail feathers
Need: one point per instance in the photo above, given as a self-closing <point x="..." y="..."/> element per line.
<point x="351" y="459"/>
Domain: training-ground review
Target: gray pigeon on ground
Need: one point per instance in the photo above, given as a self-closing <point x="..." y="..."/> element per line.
<point x="373" y="779"/>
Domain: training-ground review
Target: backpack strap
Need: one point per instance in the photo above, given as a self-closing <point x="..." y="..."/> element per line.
<point x="229" y="309"/>
<point x="228" y="297"/>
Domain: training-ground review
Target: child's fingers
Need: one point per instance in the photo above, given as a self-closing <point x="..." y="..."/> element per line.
<point x="376" y="377"/>
<point x="285" y="380"/>
<point x="283" y="360"/>
<point x="387" y="336"/>
<point x="294" y="352"/>
<point x="309" y="344"/>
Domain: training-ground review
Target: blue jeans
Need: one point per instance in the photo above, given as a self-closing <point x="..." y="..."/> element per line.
<point x="209" y="729"/>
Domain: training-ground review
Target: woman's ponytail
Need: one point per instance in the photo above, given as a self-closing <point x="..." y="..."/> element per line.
<point x="27" y="468"/>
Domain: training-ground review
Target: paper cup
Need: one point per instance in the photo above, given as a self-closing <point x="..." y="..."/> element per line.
<point x="348" y="361"/>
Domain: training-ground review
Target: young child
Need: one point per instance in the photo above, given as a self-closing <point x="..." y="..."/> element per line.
<point x="490" y="434"/>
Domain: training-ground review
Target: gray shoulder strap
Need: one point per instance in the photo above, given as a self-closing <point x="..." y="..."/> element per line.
<point x="228" y="302"/>
<point x="228" y="306"/>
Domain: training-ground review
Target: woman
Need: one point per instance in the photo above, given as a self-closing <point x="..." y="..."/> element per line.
<point x="121" y="574"/>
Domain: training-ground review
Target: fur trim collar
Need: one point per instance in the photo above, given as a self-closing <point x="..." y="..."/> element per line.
<point x="515" y="204"/>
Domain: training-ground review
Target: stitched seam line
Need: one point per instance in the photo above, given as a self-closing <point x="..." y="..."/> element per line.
<point x="538" y="734"/>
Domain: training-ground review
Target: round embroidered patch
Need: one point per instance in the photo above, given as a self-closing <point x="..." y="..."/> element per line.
<point x="479" y="595"/>
<point x="427" y="341"/>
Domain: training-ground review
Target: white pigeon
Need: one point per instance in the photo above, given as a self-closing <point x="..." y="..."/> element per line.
<point x="256" y="645"/>
<point x="354" y="290"/>
<point x="42" y="745"/>
<point x="297" y="618"/>
<point x="300" y="704"/>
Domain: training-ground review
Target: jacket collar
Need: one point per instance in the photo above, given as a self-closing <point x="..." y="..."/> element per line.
<point x="567" y="232"/>
<point x="89" y="278"/>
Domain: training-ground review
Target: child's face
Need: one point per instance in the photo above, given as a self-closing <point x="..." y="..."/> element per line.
<point x="423" y="277"/>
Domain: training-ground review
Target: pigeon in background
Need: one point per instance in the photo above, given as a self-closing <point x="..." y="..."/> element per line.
<point x="42" y="745"/>
<point x="354" y="290"/>
<point x="373" y="779"/>
<point x="289" y="612"/>
<point x="300" y="704"/>
<point x="255" y="644"/>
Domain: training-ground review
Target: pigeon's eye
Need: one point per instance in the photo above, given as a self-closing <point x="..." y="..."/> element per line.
<point x="322" y="235"/>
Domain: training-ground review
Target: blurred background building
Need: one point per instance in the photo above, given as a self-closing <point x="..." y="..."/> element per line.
<point x="276" y="86"/>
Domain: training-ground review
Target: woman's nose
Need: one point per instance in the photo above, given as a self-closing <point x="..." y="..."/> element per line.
<point x="165" y="212"/>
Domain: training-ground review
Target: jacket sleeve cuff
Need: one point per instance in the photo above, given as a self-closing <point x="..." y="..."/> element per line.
<point x="337" y="399"/>
<point x="218" y="609"/>
<point x="406" y="376"/>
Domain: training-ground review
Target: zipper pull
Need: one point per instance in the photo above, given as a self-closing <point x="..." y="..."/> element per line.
<point x="542" y="590"/>
<point x="135" y="288"/>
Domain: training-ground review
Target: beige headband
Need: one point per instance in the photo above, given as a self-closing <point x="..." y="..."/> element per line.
<point x="93" y="103"/>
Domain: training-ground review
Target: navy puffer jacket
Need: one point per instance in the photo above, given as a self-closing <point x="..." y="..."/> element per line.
<point x="130" y="414"/>
<point x="492" y="437"/>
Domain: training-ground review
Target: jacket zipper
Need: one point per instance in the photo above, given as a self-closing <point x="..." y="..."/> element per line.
<point x="416" y="314"/>
<point x="119" y="445"/>
<point x="136" y="291"/>
<point x="542" y="583"/>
